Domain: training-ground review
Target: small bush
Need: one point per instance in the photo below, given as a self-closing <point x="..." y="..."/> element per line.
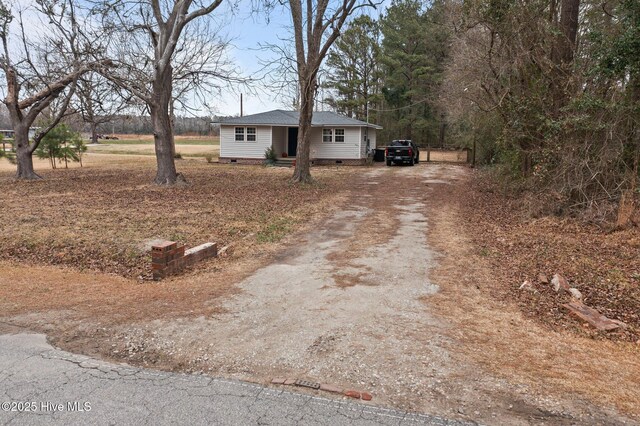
<point x="209" y="158"/>
<point x="177" y="156"/>
<point x="270" y="155"/>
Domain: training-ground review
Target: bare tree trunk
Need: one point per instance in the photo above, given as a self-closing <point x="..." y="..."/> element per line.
<point x="563" y="52"/>
<point x="94" y="132"/>
<point x="569" y="14"/>
<point x="302" y="172"/>
<point x="314" y="24"/>
<point x="163" y="129"/>
<point x="553" y="12"/>
<point x="24" y="154"/>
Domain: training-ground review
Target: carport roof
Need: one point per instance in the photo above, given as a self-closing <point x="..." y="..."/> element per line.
<point x="280" y="117"/>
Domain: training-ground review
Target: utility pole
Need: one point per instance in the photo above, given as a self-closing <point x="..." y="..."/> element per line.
<point x="366" y="130"/>
<point x="240" y="104"/>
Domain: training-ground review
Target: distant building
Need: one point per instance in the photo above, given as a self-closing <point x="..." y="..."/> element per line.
<point x="8" y="134"/>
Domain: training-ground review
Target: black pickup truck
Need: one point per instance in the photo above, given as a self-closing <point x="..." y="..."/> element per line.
<point x="402" y="151"/>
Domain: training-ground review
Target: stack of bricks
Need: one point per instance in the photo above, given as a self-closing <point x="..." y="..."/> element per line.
<point x="168" y="258"/>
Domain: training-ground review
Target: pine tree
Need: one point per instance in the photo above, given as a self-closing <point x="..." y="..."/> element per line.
<point x="414" y="50"/>
<point x="354" y="73"/>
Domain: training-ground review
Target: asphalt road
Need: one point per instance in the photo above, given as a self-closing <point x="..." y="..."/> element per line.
<point x="42" y="385"/>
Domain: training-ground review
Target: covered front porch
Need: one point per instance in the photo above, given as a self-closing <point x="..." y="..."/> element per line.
<point x="284" y="141"/>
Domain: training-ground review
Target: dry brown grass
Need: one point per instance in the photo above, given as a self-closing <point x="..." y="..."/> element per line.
<point x="493" y="332"/>
<point x="604" y="266"/>
<point x="148" y="149"/>
<point x="149" y="137"/>
<point x="102" y="216"/>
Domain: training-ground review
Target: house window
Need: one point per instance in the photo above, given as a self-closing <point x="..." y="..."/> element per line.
<point x="240" y="134"/>
<point x="251" y="134"/>
<point x="339" y="135"/>
<point x="327" y="135"/>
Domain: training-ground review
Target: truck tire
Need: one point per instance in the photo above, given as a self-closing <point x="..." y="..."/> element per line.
<point x="411" y="163"/>
<point x="388" y="163"/>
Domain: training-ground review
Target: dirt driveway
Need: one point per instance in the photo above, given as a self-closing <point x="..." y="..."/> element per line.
<point x="371" y="300"/>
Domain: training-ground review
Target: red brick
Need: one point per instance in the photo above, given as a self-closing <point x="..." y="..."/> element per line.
<point x="158" y="255"/>
<point x="278" y="380"/>
<point x="164" y="246"/>
<point x="176" y="264"/>
<point x="176" y="253"/>
<point x="366" y="396"/>
<point x="352" y="394"/>
<point x="289" y="381"/>
<point x="158" y="267"/>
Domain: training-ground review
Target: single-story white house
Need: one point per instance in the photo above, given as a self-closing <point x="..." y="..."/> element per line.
<point x="9" y="133"/>
<point x="334" y="138"/>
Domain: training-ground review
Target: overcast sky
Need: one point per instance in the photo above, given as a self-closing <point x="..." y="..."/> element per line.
<point x="247" y="32"/>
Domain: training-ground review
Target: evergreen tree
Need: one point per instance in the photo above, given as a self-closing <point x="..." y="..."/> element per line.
<point x="353" y="70"/>
<point x="414" y="49"/>
<point x="61" y="144"/>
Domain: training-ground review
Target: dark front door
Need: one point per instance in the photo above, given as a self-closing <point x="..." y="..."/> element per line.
<point x="292" y="147"/>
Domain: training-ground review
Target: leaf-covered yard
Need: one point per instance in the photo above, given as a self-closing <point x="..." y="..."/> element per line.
<point x="603" y="264"/>
<point x="102" y="217"/>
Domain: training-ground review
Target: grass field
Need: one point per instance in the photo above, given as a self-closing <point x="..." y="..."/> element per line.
<point x="103" y="215"/>
<point x="201" y="150"/>
<point x="148" y="140"/>
<point x="186" y="146"/>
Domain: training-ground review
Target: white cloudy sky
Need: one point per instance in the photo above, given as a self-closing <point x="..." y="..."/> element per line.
<point x="247" y="31"/>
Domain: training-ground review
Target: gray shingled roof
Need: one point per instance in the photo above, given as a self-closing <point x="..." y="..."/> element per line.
<point x="279" y="117"/>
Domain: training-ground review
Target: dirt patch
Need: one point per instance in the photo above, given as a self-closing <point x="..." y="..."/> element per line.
<point x="381" y="225"/>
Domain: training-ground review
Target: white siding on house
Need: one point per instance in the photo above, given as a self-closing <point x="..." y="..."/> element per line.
<point x="279" y="140"/>
<point x="353" y="147"/>
<point x="349" y="149"/>
<point x="371" y="134"/>
<point x="229" y="148"/>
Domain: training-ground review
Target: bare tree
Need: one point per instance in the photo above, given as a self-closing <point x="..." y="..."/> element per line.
<point x="41" y="70"/>
<point x="316" y="27"/>
<point x="99" y="101"/>
<point x="163" y="57"/>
